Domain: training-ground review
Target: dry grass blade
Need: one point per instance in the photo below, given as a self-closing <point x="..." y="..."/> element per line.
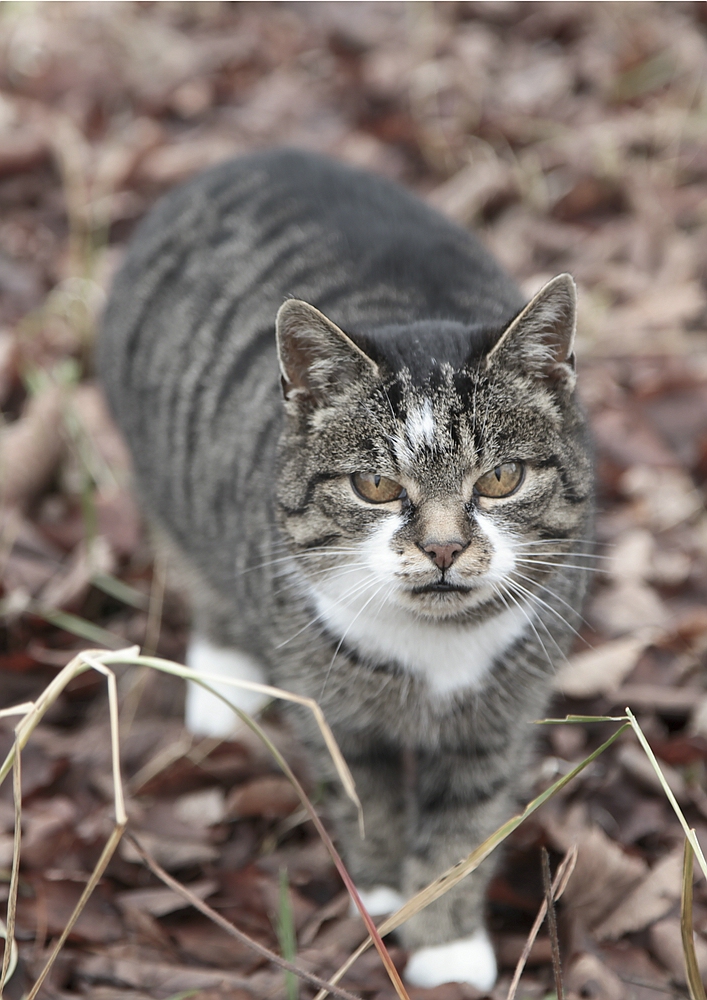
<point x="374" y="936"/>
<point x="454" y="875"/>
<point x="32" y="715"/>
<point x="12" y="950"/>
<point x="98" y="660"/>
<point x="260" y="949"/>
<point x="552" y="924"/>
<point x="22" y="709"/>
<point x="10" y="945"/>
<point x="689" y="833"/>
<point x="692" y="969"/>
<point x="562" y="877"/>
<point x="169" y="667"/>
<point x="121" y="820"/>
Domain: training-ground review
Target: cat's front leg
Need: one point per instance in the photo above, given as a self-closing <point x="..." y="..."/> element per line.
<point x="459" y="801"/>
<point x="375" y="862"/>
<point x="206" y="714"/>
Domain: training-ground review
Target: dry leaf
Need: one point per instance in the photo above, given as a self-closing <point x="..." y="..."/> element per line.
<point x="640" y="768"/>
<point x="463" y="196"/>
<point x="587" y="976"/>
<point x="269" y="797"/>
<point x="161" y="901"/>
<point x="603" y="874"/>
<point x="172" y="854"/>
<point x="628" y="607"/>
<point x="602" y="670"/>
<point x="201" y="809"/>
<point x="651" y="900"/>
<point x="665" y="939"/>
<point x="31" y="448"/>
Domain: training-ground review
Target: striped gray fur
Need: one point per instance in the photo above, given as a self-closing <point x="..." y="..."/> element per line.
<point x="254" y="490"/>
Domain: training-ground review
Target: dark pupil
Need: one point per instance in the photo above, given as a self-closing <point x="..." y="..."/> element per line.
<point x="497" y="471"/>
<point x="377" y="480"/>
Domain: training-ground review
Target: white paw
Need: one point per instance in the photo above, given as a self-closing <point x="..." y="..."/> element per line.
<point x="207" y="715"/>
<point x="379" y="901"/>
<point x="468" y="960"/>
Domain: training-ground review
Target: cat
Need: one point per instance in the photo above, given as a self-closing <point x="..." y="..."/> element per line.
<point x="366" y="446"/>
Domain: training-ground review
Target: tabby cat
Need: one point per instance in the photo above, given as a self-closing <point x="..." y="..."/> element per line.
<point x="367" y="449"/>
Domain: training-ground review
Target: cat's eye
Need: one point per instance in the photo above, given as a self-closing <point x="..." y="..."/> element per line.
<point x="375" y="488"/>
<point x="501" y="481"/>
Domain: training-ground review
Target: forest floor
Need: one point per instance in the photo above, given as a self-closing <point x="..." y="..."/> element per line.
<point x="574" y="137"/>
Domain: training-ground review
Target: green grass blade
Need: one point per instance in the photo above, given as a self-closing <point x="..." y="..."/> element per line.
<point x="77" y="626"/>
<point x="114" y="587"/>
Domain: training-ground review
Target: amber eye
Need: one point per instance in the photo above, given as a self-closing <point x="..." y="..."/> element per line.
<point x="502" y="481"/>
<point x="375" y="488"/>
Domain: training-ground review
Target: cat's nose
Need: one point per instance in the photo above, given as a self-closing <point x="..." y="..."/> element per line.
<point x="443" y="554"/>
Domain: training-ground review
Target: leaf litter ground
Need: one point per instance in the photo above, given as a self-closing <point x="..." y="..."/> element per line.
<point x="574" y="136"/>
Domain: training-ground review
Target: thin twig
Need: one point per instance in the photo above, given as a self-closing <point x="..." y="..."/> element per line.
<point x="231" y="929"/>
<point x="552" y="923"/>
<point x="562" y="877"/>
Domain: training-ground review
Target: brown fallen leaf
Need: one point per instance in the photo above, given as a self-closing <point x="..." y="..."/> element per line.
<point x="628" y="606"/>
<point x="664" y="497"/>
<point x="69" y="586"/>
<point x="161" y="901"/>
<point x="603" y="874"/>
<point x="269" y="797"/>
<point x="670" y="701"/>
<point x="465" y="194"/>
<point x="31" y="448"/>
<point x="665" y="939"/>
<point x="168" y="165"/>
<point x="652" y="899"/>
<point x="201" y="809"/>
<point x="509" y="948"/>
<point x="24" y="145"/>
<point x="29" y="561"/>
<point x="587" y="976"/>
<point x="634" y="760"/>
<point x="602" y="670"/>
<point x="172" y="854"/>
<point x="52" y="903"/>
<point x="202" y="940"/>
<point x="126" y="970"/>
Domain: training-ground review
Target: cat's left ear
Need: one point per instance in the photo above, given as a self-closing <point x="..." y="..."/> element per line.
<point x="317" y="359"/>
<point x="541" y="338"/>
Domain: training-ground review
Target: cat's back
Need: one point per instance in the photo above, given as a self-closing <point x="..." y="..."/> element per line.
<point x="187" y="351"/>
<point x="238" y="239"/>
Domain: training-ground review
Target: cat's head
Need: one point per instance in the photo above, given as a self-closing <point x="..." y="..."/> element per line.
<point x="420" y="463"/>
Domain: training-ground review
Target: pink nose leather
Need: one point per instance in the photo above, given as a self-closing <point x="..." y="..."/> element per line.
<point x="443" y="555"/>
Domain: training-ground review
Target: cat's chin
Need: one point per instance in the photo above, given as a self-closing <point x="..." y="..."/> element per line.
<point x="448" y="601"/>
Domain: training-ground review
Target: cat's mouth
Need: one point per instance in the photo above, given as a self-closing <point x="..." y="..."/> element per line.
<point x="442" y="588"/>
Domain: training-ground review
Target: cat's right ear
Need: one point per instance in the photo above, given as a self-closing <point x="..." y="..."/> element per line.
<point x="317" y="359"/>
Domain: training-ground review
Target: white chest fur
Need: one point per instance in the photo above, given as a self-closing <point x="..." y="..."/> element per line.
<point x="449" y="657"/>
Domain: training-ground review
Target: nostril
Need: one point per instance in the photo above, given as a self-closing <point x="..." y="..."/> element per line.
<point x="443" y="554"/>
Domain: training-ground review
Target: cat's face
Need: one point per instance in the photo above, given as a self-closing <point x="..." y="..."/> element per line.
<point x="426" y="494"/>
